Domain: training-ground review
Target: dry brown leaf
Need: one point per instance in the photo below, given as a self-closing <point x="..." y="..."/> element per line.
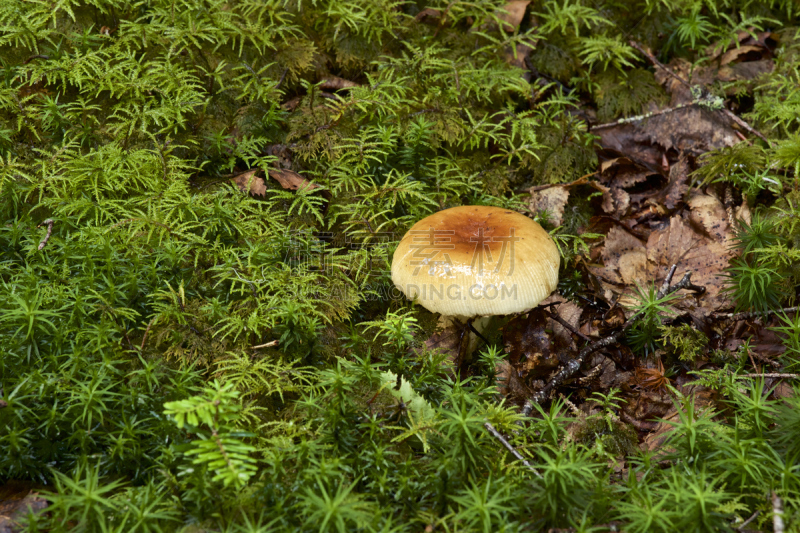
<point x="745" y="71"/>
<point x="629" y="263"/>
<point x="335" y="83"/>
<point x="518" y="60"/>
<point x="678" y="185"/>
<point x="553" y="200"/>
<point x="16" y="501"/>
<point x="428" y="13"/>
<point x="289" y="179"/>
<point x="512" y="14"/>
<point x="249" y="181"/>
<point x="630" y="140"/>
<point x="736" y="53"/>
<point x="691" y="130"/>
<point x="622" y="172"/>
<point x="533" y="351"/>
<point x="569" y="313"/>
<point x="709" y="213"/>
<point x="681" y="245"/>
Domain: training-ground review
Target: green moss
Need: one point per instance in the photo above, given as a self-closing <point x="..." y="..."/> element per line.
<point x="684" y="341"/>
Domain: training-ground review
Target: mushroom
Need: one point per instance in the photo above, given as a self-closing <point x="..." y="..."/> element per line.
<point x="472" y="261"/>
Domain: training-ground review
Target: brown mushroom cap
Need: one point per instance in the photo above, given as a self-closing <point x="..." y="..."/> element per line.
<point x="476" y="260"/>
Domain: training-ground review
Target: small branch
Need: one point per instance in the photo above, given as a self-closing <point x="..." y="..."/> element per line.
<point x="764" y="359"/>
<point x="574" y="365"/>
<point x="146" y="331"/>
<point x="777" y="514"/>
<point x="665" y="286"/>
<point x="637" y="118"/>
<point x="770" y="375"/>
<point x="757" y="314"/>
<point x="270" y="344"/>
<point x="509" y="447"/>
<point x="49" y="222"/>
<point x="568" y="326"/>
<point x="580" y="181"/>
<point x="748" y="521"/>
<point x="283" y="77"/>
<point x="642" y="425"/>
<point x="659" y="64"/>
<point x="572" y="406"/>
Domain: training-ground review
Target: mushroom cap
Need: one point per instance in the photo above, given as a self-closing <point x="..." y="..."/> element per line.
<point x="476" y="260"/>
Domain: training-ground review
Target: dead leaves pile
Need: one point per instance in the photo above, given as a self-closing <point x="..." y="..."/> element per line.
<point x="652" y="217"/>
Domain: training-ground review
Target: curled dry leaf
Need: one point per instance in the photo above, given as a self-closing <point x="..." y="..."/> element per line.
<point x="622" y="172"/>
<point x="335" y="83"/>
<point x="512" y="14"/>
<point x="428" y="15"/>
<point x="737" y="53"/>
<point x="249" y="182"/>
<point x="289" y="179"/>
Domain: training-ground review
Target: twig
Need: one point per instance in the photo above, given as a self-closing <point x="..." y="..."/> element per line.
<point x="580" y="181"/>
<point x="509" y="447"/>
<point x="747" y="522"/>
<point x="572" y="406"/>
<point x="270" y="344"/>
<point x="777" y="514"/>
<point x="146" y="331"/>
<point x="575" y="364"/>
<point x="757" y="314"/>
<point x="49" y="222"/>
<point x="637" y="118"/>
<point x="665" y="286"/>
<point x="770" y="375"/>
<point x="568" y="326"/>
<point x="591" y="375"/>
<point x="741" y="123"/>
<point x="642" y="425"/>
<point x="763" y="359"/>
<point x="659" y="64"/>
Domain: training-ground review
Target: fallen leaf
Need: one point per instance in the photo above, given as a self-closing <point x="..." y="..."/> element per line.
<point x="553" y="200"/>
<point x="628" y="262"/>
<point x="428" y="13"/>
<point x="289" y="179"/>
<point x="622" y="172"/>
<point x="709" y="214"/>
<point x="249" y="181"/>
<point x="533" y="352"/>
<point x="518" y="59"/>
<point x="691" y="130"/>
<point x="677" y="186"/>
<point x="16" y="501"/>
<point x="681" y="245"/>
<point x="745" y="71"/>
<point x="736" y="53"/>
<point x="335" y="83"/>
<point x="566" y="311"/>
<point x="512" y="14"/>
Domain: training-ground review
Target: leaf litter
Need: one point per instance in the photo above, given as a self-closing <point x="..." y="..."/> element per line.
<point x="652" y="217"/>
